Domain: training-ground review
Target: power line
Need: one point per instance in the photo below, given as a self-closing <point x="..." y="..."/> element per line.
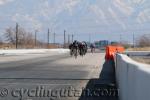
<point x="91" y="26"/>
<point x="70" y="20"/>
<point x="81" y="19"/>
<point x="113" y="32"/>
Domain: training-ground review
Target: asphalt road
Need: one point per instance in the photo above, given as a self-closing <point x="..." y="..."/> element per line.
<point x="48" y="77"/>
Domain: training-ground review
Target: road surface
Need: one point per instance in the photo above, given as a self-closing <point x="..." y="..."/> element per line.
<point x="47" y="76"/>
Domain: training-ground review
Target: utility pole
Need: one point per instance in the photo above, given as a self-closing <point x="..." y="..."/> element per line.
<point x="64" y="38"/>
<point x="54" y="37"/>
<point x="89" y="38"/>
<point x="120" y="38"/>
<point x="68" y="39"/>
<point x="133" y="40"/>
<point x="35" y="37"/>
<point x="48" y="38"/>
<point x="17" y="35"/>
<point x="72" y="37"/>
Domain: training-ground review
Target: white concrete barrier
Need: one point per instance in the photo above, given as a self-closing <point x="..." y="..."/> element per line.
<point x="133" y="79"/>
<point x="31" y="51"/>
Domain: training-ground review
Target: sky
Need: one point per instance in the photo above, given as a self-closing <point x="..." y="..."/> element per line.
<point x="88" y="20"/>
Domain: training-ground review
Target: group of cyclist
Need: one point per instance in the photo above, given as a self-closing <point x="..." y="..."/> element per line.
<point x="80" y="48"/>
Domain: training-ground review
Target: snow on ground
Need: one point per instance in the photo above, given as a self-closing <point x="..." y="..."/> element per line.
<point x="32" y="51"/>
<point x="23" y="54"/>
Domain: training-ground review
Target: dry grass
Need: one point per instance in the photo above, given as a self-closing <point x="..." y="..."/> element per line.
<point x="7" y="46"/>
<point x="141" y="60"/>
<point x="10" y="46"/>
<point x="139" y="49"/>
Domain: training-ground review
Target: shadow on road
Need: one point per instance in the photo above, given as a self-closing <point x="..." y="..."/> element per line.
<point x="103" y="88"/>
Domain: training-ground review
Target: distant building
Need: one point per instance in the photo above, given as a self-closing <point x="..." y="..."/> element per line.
<point x="114" y="43"/>
<point x="102" y="43"/>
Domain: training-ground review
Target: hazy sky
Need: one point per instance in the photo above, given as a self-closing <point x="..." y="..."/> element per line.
<point x="103" y="19"/>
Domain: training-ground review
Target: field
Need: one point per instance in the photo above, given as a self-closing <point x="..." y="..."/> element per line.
<point x="139" y="49"/>
<point x="145" y="60"/>
<point x="141" y="59"/>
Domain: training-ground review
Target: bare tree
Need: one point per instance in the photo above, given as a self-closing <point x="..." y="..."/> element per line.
<point x="125" y="44"/>
<point x="24" y="38"/>
<point x="1" y="42"/>
<point x="10" y="35"/>
<point x="144" y="41"/>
